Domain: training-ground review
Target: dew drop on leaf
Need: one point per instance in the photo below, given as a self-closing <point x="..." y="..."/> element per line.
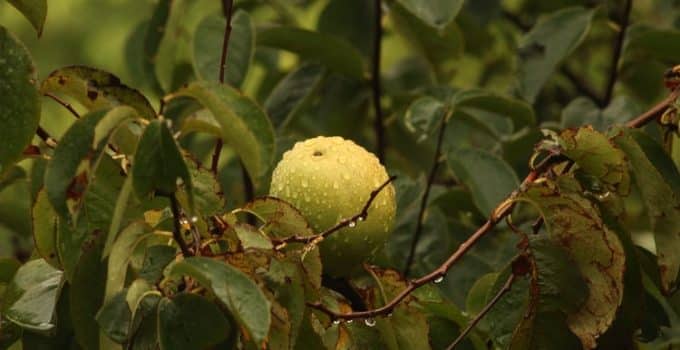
<point x="370" y="322"/>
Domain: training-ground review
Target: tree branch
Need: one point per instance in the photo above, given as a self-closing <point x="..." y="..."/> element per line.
<point x="506" y="288"/>
<point x="616" y="54"/>
<point x="502" y="210"/>
<point x="227" y="8"/>
<point x="375" y="82"/>
<point x="351" y="222"/>
<point x="423" y="203"/>
<point x="45" y="136"/>
<point x="64" y="104"/>
<point x="580" y="85"/>
<point x="177" y="232"/>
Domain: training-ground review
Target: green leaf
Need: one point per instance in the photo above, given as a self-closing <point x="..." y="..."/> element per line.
<point x="45" y="228"/>
<point x="245" y="127"/>
<point x="87" y="289"/>
<point x="96" y="89"/>
<point x="35" y="12"/>
<point x="489" y="178"/>
<point x="19" y="98"/>
<point x="659" y="44"/>
<point x="424" y="117"/>
<point x="549" y="42"/>
<point x="114" y="317"/>
<point x="335" y="16"/>
<point x="206" y="190"/>
<point x="594" y="153"/>
<point x="657" y="179"/>
<point x="120" y="256"/>
<point x="189" y="321"/>
<point x="207" y="53"/>
<point x="290" y="94"/>
<point x="30" y="300"/>
<point x="8" y="267"/>
<point x="251" y="237"/>
<point x="97" y="211"/>
<point x="77" y="157"/>
<point x="583" y="111"/>
<point x="234" y="289"/>
<point x="440" y="47"/>
<point x="169" y="41"/>
<point x="144" y="328"/>
<point x="479" y="293"/>
<point x="158" y="164"/>
<point x="285" y="278"/>
<point x="329" y="50"/>
<point x="436" y="13"/>
<point x="156" y="259"/>
<point x="491" y="109"/>
<point x="281" y="219"/>
<point x="575" y="224"/>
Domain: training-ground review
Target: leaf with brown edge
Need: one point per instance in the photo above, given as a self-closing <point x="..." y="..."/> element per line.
<point x="281" y="219"/>
<point x="96" y="89"/>
<point x="574" y="223"/>
<point x="593" y="152"/>
<point x="659" y="184"/>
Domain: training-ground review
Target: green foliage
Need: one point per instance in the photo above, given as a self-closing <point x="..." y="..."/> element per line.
<point x="136" y="213"/>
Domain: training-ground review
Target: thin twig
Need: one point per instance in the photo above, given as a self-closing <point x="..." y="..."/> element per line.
<point x="227" y="7"/>
<point x="177" y="232"/>
<point x="581" y="85"/>
<point x="216" y="156"/>
<point x="248" y="188"/>
<point x="423" y="202"/>
<point x="375" y="82"/>
<point x="361" y="216"/>
<point x="501" y="211"/>
<point x="616" y="54"/>
<point x="654" y="112"/>
<point x="45" y="136"/>
<point x="506" y="288"/>
<point x="64" y="104"/>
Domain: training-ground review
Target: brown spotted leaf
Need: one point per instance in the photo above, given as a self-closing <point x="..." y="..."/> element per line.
<point x="575" y="224"/>
<point x="96" y="89"/>
<point x="658" y="180"/>
<point x="597" y="156"/>
<point x="281" y="219"/>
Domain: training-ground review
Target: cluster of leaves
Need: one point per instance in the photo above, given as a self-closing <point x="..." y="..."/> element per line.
<point x="128" y="231"/>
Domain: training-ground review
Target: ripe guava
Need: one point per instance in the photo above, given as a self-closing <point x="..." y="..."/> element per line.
<point x="329" y="179"/>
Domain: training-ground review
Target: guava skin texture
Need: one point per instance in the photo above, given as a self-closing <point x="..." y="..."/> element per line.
<point x="329" y="179"/>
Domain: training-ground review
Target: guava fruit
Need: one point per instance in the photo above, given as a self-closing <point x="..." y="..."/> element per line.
<point x="329" y="179"/>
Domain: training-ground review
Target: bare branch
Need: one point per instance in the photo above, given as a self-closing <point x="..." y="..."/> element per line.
<point x="506" y="288"/>
<point x="361" y="216"/>
<point x="501" y="211"/>
<point x="177" y="232"/>
<point x="64" y="104"/>
<point x="375" y="82"/>
<point x="423" y="203"/>
<point x="616" y="54"/>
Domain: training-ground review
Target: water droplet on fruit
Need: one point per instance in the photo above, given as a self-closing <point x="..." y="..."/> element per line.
<point x="439" y="279"/>
<point x="304" y="183"/>
<point x="335" y="185"/>
<point x="370" y="322"/>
